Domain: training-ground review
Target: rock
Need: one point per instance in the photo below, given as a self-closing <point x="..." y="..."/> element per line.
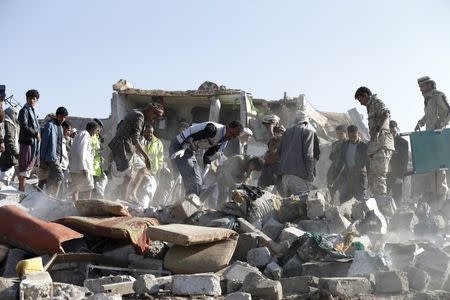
<point x="96" y="285"/>
<point x="272" y="228"/>
<point x="290" y="234"/>
<point x="14" y="256"/>
<point x="436" y="263"/>
<point x="103" y="296"/>
<point x="68" y="291"/>
<point x="273" y="271"/>
<point x="373" y="222"/>
<point x="318" y="225"/>
<point x="337" y="223"/>
<point x="360" y="211"/>
<point x="326" y="269"/>
<point x="196" y="284"/>
<point x="9" y="289"/>
<point x="186" y="207"/>
<point x="366" y="262"/>
<point x="391" y="282"/>
<point x="146" y="284"/>
<point x="38" y="285"/>
<point x="245" y="242"/>
<point x="346" y="287"/>
<point x="346" y="208"/>
<point x="262" y="288"/>
<point x="238" y="271"/>
<point x="402" y="255"/>
<point x="259" y="257"/>
<point x="418" y="279"/>
<point x="432" y="295"/>
<point x="293" y="267"/>
<point x="403" y="221"/>
<point x="386" y="205"/>
<point x="298" y="285"/>
<point x="316" y="205"/>
<point x="238" y="296"/>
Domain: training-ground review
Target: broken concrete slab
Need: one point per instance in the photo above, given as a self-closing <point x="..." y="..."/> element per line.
<point x="336" y="222"/>
<point x="262" y="288"/>
<point x="366" y="262"/>
<point x="103" y="296"/>
<point x="239" y="270"/>
<point x="290" y="234"/>
<point x="403" y="221"/>
<point x="293" y="267"/>
<point x="259" y="257"/>
<point x="346" y="208"/>
<point x="346" y="287"/>
<point x="436" y="263"/>
<point x="38" y="285"/>
<point x="326" y="269"/>
<point x="105" y="284"/>
<point x="317" y="226"/>
<point x="68" y="291"/>
<point x="402" y="254"/>
<point x="273" y="271"/>
<point x="186" y="208"/>
<point x="196" y="284"/>
<point x="316" y="205"/>
<point x="245" y="242"/>
<point x="298" y="284"/>
<point x="391" y="282"/>
<point x="238" y="296"/>
<point x="272" y="228"/>
<point x="146" y="284"/>
<point x="418" y="279"/>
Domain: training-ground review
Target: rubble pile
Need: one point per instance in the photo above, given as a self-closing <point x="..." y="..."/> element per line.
<point x="257" y="246"/>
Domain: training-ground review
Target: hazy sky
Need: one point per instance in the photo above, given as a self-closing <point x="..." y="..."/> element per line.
<point x="73" y="51"/>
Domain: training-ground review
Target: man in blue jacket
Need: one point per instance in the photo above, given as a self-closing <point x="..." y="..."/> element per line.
<point x="51" y="150"/>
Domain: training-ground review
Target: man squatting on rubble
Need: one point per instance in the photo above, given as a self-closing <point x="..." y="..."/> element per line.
<point x="437" y="116"/>
<point x="208" y="136"/>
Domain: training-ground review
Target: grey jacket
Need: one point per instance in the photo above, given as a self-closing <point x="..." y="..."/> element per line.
<point x="296" y="151"/>
<point x="437" y="110"/>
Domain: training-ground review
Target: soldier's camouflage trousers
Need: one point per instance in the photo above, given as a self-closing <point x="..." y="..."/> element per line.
<point x="378" y="168"/>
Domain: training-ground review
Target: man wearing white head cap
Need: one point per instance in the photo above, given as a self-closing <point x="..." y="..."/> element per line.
<point x="437" y="116"/>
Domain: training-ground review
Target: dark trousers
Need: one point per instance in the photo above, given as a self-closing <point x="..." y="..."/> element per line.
<point x="189" y="170"/>
<point x="395" y="189"/>
<point x="354" y="185"/>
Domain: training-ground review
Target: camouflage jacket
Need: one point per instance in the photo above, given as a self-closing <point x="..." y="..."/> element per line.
<point x="437" y="110"/>
<point x="380" y="136"/>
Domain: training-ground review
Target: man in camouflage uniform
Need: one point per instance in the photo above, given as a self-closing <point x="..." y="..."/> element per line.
<point x="381" y="143"/>
<point x="335" y="155"/>
<point x="437" y="116"/>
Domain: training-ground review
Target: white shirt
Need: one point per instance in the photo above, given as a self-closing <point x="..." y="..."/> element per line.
<point x="81" y="154"/>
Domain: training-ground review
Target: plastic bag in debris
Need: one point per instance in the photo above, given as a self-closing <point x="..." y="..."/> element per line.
<point x="252" y="204"/>
<point x="316" y="247"/>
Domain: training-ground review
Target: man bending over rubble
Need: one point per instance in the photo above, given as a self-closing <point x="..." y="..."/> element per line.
<point x="208" y="136"/>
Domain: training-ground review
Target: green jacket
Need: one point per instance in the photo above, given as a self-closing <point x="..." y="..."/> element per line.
<point x="155" y="150"/>
<point x="98" y="159"/>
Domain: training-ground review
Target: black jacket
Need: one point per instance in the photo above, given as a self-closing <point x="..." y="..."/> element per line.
<point x="361" y="159"/>
<point x="29" y="125"/>
<point x="399" y="160"/>
<point x="10" y="157"/>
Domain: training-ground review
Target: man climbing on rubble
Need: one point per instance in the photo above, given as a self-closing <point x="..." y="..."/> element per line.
<point x="437" y="116"/>
<point x="209" y="136"/>
<point x="381" y="143"/>
<point x="235" y="170"/>
<point x="29" y="138"/>
<point x="269" y="172"/>
<point x="335" y="156"/>
<point x="351" y="167"/>
<point x="128" y="140"/>
<point x="51" y="151"/>
<point x="81" y="159"/>
<point x="296" y="152"/>
<point x="398" y="164"/>
<point x="9" y="158"/>
<point x="100" y="179"/>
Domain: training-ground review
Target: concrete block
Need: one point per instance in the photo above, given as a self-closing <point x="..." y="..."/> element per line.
<point x="9" y="288"/>
<point x="316" y="205"/>
<point x="337" y="223"/>
<point x="186" y="208"/>
<point x="403" y="221"/>
<point x="298" y="284"/>
<point x="273" y="271"/>
<point x="418" y="279"/>
<point x="318" y="225"/>
<point x="293" y="267"/>
<point x="68" y="291"/>
<point x="366" y="262"/>
<point x="290" y="234"/>
<point x="262" y="288"/>
<point x="124" y="283"/>
<point x="103" y="296"/>
<point x="402" y="254"/>
<point x="436" y="263"/>
<point x="346" y="287"/>
<point x="373" y="222"/>
<point x="391" y="282"/>
<point x="238" y="271"/>
<point x="346" y="208"/>
<point x="196" y="284"/>
<point x="146" y="284"/>
<point x="238" y="296"/>
<point x="259" y="257"/>
<point x="245" y="242"/>
<point x="14" y="256"/>
<point x="386" y="206"/>
<point x="326" y="269"/>
<point x="272" y="228"/>
<point x="38" y="285"/>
